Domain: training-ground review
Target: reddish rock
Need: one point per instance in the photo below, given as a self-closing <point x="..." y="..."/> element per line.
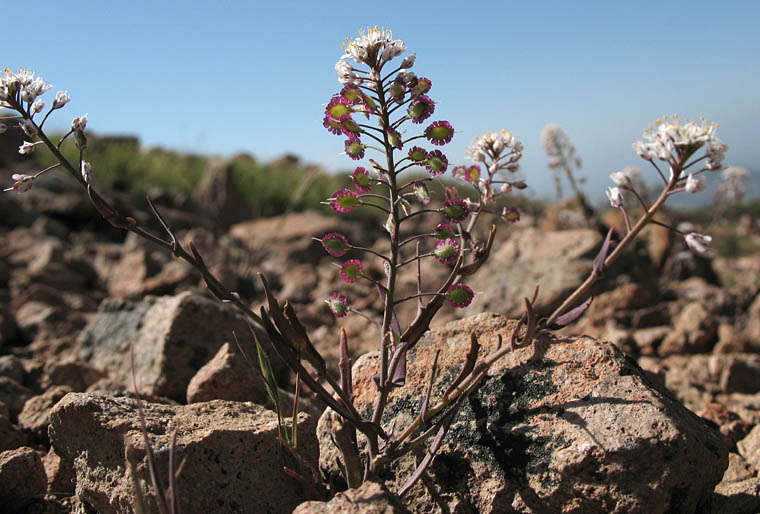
<point x="233" y="460"/>
<point x="35" y="416"/>
<point x="737" y="497"/>
<point x="749" y="447"/>
<point x="14" y="395"/>
<point x="369" y="498"/>
<point x="563" y="425"/>
<point x="75" y="375"/>
<point x="60" y="475"/>
<point x="22" y="478"/>
<point x="694" y="331"/>
<point x="11" y="436"/>
<point x="227" y="377"/>
<point x="528" y="258"/>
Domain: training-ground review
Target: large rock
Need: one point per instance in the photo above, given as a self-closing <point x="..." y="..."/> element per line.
<point x="219" y="195"/>
<point x="22" y="478"/>
<point x="565" y="425"/>
<point x="172" y="338"/>
<point x="558" y="261"/>
<point x="233" y="461"/>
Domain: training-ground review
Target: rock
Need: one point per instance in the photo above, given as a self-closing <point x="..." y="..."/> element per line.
<point x="36" y="413"/>
<point x="130" y="272"/>
<point x="753" y="324"/>
<point x="289" y="237"/>
<point x="528" y="258"/>
<point x="563" y="425"/>
<point x="172" y="338"/>
<point x="11" y="436"/>
<point x="14" y="395"/>
<point x="219" y="195"/>
<point x="233" y="460"/>
<point x="731" y="425"/>
<point x="75" y="375"/>
<point x="22" y="478"/>
<point x="730" y="340"/>
<point x="370" y="498"/>
<point x="11" y="367"/>
<point x="648" y="339"/>
<point x="749" y="447"/>
<point x="737" y="497"/>
<point x="227" y="377"/>
<point x="737" y="372"/>
<point x="9" y="331"/>
<point x="738" y="469"/>
<point x="694" y="331"/>
<point x="61" y="477"/>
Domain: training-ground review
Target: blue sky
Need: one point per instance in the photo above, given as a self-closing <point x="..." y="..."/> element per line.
<point x="226" y="77"/>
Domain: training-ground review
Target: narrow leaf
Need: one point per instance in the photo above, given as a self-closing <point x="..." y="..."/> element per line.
<point x="600" y="258"/>
<point x="574" y="314"/>
<point x="469" y="364"/>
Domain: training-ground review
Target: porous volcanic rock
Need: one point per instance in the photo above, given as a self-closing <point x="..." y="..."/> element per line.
<point x="22" y="478"/>
<point x="528" y="258"/>
<point x="564" y="425"/>
<point x="369" y="498"/>
<point x="233" y="458"/>
<point x="172" y="336"/>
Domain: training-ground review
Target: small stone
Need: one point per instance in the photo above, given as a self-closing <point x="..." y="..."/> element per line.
<point x="22" y="478"/>
<point x="370" y="498"/>
<point x="35" y="416"/>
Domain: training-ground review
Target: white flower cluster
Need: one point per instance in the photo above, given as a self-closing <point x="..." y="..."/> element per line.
<point x="734" y="183"/>
<point x="375" y="47"/>
<point x="500" y="147"/>
<point x="674" y="142"/>
<point x="554" y="140"/>
<point x="22" y="82"/>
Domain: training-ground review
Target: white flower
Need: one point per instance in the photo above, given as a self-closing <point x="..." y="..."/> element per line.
<point x="554" y="139"/>
<point x="644" y="150"/>
<point x="500" y="147"/>
<point x="716" y="152"/>
<point x="21" y="183"/>
<point x="695" y="185"/>
<point x="698" y="242"/>
<point x="674" y="142"/>
<point x="734" y="183"/>
<point x="28" y="127"/>
<point x="86" y="171"/>
<point x="374" y="48"/>
<point x="408" y="61"/>
<point x="621" y="179"/>
<point x="26" y="148"/>
<point x="615" y="196"/>
<point x="38" y="105"/>
<point x="79" y="123"/>
<point x="61" y="99"/>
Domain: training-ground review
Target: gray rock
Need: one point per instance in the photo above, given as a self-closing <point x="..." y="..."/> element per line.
<point x="563" y="425"/>
<point x="172" y="336"/>
<point x="233" y="459"/>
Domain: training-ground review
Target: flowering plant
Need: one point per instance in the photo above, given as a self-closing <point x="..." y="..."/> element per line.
<point x="379" y="101"/>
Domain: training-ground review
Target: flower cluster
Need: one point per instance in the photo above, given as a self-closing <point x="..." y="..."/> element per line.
<point x="369" y="112"/>
<point x="22" y="92"/>
<point x="675" y="142"/>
